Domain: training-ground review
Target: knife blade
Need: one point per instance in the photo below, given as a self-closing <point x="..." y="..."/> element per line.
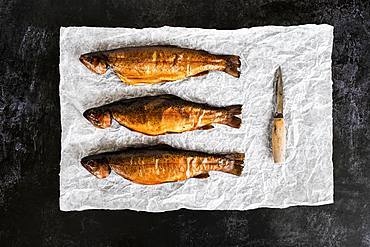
<point x="278" y="125"/>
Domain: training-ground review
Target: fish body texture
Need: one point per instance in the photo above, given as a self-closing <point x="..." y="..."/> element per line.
<point x="156" y="64"/>
<point x="155" y="165"/>
<point x="157" y="115"/>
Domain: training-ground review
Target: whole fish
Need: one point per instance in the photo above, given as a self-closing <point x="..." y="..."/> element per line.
<point x="155" y="64"/>
<point x="161" y="164"/>
<point x="157" y="115"/>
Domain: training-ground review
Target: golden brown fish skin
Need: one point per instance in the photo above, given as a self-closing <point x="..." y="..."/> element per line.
<point x="161" y="164"/>
<point x="158" y="115"/>
<point x="156" y="64"/>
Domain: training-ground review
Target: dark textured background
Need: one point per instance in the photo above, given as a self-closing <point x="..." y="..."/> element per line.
<point x="30" y="129"/>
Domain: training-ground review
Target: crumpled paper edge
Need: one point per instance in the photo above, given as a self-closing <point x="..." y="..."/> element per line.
<point x="252" y="206"/>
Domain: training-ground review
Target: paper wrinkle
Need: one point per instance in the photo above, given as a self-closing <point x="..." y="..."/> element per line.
<point x="304" y="54"/>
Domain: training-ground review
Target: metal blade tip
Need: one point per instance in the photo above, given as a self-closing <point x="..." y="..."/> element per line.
<point x="278" y="70"/>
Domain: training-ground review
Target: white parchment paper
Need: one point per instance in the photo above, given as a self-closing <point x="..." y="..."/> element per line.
<point x="303" y="52"/>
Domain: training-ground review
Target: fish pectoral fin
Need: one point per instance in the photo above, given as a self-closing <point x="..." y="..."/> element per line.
<point x="202" y="176"/>
<point x="122" y="77"/>
<point x="127" y="79"/>
<point x="206" y="127"/>
<point x="201" y="74"/>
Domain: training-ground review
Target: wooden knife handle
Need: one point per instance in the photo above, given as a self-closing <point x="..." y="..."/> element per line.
<point x="278" y="140"/>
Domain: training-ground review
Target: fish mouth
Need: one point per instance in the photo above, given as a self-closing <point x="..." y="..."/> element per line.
<point x="85" y="162"/>
<point x="94" y="63"/>
<point x="88" y="62"/>
<point x="82" y="59"/>
<point x="85" y="60"/>
<point x="85" y="114"/>
<point x="91" y="118"/>
<point x="99" y="119"/>
<point x="98" y="170"/>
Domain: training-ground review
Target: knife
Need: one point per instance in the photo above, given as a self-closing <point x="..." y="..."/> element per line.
<point x="278" y="125"/>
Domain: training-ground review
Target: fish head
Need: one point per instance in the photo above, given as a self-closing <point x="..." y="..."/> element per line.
<point x="97" y="167"/>
<point x="99" y="117"/>
<point x="95" y="61"/>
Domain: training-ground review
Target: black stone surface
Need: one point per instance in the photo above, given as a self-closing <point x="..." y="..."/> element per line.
<point x="30" y="129"/>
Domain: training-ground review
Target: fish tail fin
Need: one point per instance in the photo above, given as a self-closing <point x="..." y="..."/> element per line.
<point x="230" y="119"/>
<point x="236" y="170"/>
<point x="232" y="65"/>
<point x="236" y="157"/>
<point x="234" y="109"/>
<point x="236" y="163"/>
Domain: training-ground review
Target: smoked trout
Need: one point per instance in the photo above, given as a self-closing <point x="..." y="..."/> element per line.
<point x="156" y="64"/>
<point x="161" y="164"/>
<point x="157" y="115"/>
